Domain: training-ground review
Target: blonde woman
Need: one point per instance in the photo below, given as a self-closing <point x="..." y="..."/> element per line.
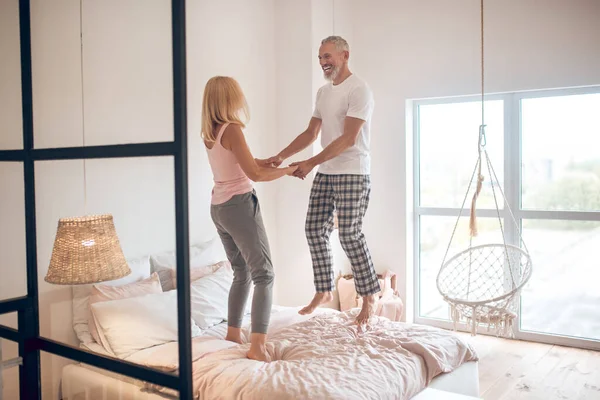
<point x="235" y="209"/>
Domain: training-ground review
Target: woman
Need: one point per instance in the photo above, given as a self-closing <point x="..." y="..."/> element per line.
<point x="235" y="209"/>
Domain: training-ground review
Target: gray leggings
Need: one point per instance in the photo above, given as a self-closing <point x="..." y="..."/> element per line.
<point x="240" y="226"/>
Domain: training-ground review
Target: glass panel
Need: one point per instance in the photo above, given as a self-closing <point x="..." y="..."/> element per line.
<point x="13" y="267"/>
<point x="56" y="74"/>
<point x="138" y="193"/>
<point x="435" y="234"/>
<point x="127" y="72"/>
<point x="9" y="381"/>
<point x="448" y="136"/>
<point x="11" y="126"/>
<point x="113" y="83"/>
<point x="59" y="193"/>
<point x="562" y="297"/>
<point x="561" y="160"/>
<point x="77" y="381"/>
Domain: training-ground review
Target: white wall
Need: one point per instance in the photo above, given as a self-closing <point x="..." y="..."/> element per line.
<point x="406" y="50"/>
<point x="293" y="49"/>
<point x="126" y="75"/>
<point x="238" y="44"/>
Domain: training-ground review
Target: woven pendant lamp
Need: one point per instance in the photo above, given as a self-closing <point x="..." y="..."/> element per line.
<point x="86" y="250"/>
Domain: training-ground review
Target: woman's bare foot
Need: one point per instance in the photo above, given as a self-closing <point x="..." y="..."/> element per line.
<point x="258" y="350"/>
<point x="367" y="311"/>
<point x="258" y="354"/>
<point x="234" y="334"/>
<point x="320" y="298"/>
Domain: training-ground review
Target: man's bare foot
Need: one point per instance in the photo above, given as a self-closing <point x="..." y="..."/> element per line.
<point x="258" y="350"/>
<point x="320" y="298"/>
<point x="234" y="334"/>
<point x="367" y="311"/>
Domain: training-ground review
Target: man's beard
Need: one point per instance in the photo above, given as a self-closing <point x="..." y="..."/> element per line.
<point x="334" y="73"/>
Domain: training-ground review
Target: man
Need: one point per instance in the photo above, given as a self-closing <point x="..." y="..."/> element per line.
<point x="343" y="113"/>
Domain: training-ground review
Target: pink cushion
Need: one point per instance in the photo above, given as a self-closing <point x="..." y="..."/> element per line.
<point x="388" y="304"/>
<point x="390" y="308"/>
<point x="100" y="293"/>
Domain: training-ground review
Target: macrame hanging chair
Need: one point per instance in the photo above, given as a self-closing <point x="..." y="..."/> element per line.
<point x="482" y="283"/>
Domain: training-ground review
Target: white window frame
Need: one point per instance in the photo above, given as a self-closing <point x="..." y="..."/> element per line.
<point x="512" y="185"/>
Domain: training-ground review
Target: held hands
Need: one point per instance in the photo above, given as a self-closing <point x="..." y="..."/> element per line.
<point x="298" y="169"/>
<point x="291" y="170"/>
<point x="264" y="163"/>
<point x="303" y="168"/>
<point x="274" y="161"/>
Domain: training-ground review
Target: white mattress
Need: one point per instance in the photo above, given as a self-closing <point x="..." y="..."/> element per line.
<point x="96" y="348"/>
<point x="463" y="380"/>
<point x="84" y="382"/>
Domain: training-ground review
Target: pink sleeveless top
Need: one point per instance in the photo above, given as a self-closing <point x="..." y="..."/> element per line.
<point x="229" y="177"/>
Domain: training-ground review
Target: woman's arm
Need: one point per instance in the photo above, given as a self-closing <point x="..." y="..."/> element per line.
<point x="233" y="139"/>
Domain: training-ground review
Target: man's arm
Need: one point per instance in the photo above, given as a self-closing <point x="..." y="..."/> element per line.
<point x="234" y="140"/>
<point x="301" y="142"/>
<point x="352" y="128"/>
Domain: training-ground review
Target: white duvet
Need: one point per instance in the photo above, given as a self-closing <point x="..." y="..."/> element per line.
<point x="324" y="357"/>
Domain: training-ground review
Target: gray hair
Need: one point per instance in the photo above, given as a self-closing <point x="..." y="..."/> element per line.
<point x="340" y="43"/>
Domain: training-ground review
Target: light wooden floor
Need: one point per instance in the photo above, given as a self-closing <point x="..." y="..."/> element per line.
<point x="511" y="369"/>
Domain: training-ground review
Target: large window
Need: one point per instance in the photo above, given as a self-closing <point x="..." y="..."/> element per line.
<point x="545" y="149"/>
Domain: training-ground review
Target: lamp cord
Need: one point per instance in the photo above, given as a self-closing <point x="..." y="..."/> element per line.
<point x="333" y="16"/>
<point x="82" y="104"/>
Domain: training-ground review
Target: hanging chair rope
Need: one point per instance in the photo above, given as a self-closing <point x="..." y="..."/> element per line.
<point x="482" y="67"/>
<point x="480" y="292"/>
<point x="482" y="139"/>
<point x="512" y="216"/>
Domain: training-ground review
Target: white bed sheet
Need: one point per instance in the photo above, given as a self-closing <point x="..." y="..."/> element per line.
<point x="78" y="379"/>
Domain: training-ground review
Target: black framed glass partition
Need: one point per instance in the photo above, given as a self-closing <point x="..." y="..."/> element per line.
<point x="27" y="335"/>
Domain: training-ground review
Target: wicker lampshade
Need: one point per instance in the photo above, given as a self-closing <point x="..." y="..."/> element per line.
<point x="86" y="250"/>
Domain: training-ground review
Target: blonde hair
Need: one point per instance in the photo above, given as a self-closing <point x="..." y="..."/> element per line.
<point x="223" y="102"/>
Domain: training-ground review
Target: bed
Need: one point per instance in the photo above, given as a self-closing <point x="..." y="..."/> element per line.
<point x="389" y="360"/>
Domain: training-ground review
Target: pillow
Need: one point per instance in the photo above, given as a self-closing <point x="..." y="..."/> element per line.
<point x="140" y="269"/>
<point x="202" y="255"/>
<point x="126" y="326"/>
<point x="195" y="273"/>
<point x="212" y="252"/>
<point x="105" y="292"/>
<point x="209" y="297"/>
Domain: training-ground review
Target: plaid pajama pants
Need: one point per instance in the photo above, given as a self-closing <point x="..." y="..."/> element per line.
<point x="349" y="195"/>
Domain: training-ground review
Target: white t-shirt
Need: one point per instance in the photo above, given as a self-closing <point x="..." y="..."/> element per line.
<point x="351" y="98"/>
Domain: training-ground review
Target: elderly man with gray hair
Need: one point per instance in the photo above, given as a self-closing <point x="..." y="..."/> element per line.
<point x="342" y="114"/>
